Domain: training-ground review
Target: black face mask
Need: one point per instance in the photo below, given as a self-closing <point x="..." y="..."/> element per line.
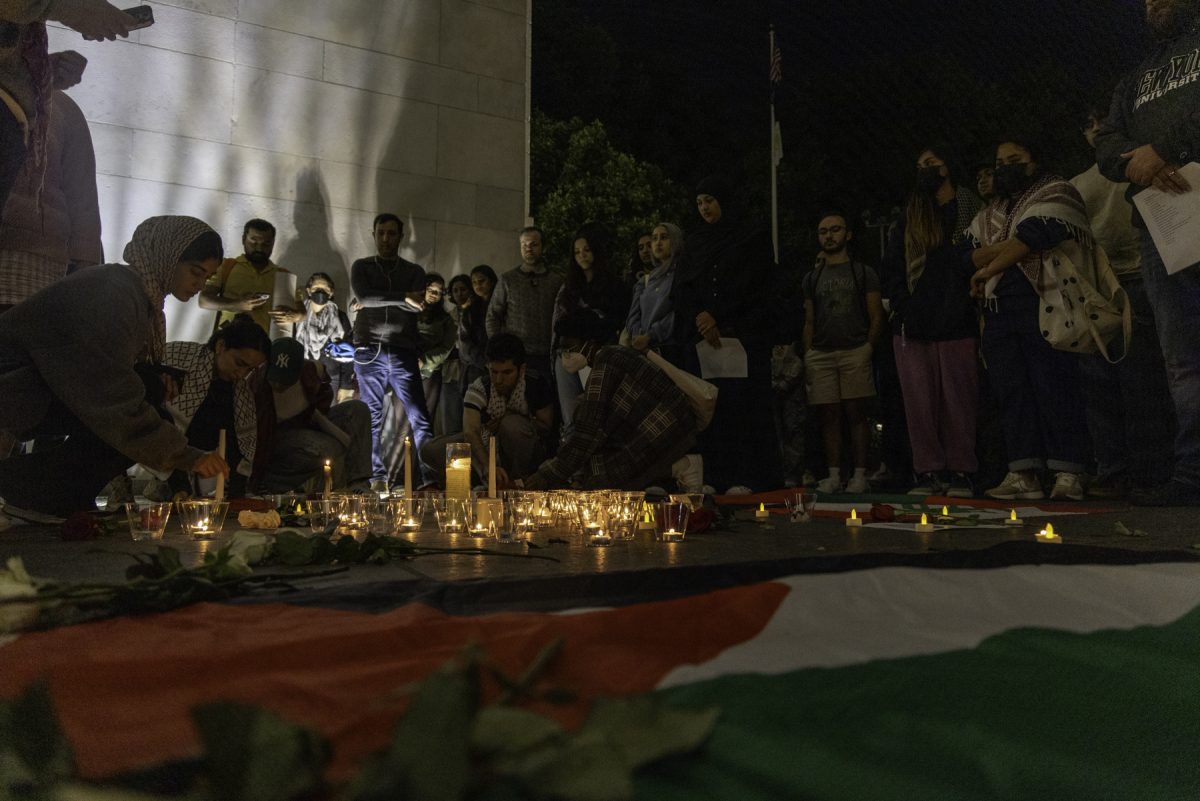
<point x="320" y="297"/>
<point x="929" y="179"/>
<point x="1010" y="179"/>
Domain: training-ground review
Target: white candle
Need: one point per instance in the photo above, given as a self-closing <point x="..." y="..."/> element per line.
<point x="1013" y="520"/>
<point x="220" y="493"/>
<point x="328" y="491"/>
<point x="924" y="527"/>
<point x="762" y="515"/>
<point x="492" y="467"/>
<point x="408" y="467"/>
<point x="1048" y="536"/>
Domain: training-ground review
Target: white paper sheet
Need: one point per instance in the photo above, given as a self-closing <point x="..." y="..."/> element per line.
<point x="727" y="361"/>
<point x="1174" y="220"/>
<point x="284" y="295"/>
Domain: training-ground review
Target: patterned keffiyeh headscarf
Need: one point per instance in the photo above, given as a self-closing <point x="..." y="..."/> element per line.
<point x="153" y="253"/>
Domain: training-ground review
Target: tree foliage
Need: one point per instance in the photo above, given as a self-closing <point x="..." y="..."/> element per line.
<point x="578" y="176"/>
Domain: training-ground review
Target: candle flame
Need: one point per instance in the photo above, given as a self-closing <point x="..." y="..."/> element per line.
<point x="924" y="519"/>
<point x="328" y="463"/>
<point x="853" y="514"/>
<point x="762" y="507"/>
<point x="1048" y="531"/>
<point x="945" y="512"/>
<point x="1013" y="516"/>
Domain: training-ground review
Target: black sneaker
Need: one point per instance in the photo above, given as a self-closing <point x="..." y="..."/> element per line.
<point x="926" y="484"/>
<point x="1173" y="493"/>
<point x="960" y="486"/>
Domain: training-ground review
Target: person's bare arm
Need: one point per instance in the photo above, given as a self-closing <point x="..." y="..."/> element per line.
<point x="1009" y="252"/>
<point x="95" y="19"/>
<point x="211" y="298"/>
<point x="473" y="430"/>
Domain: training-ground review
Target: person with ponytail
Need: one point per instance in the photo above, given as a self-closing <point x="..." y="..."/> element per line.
<point x="82" y="359"/>
<point x="935" y="326"/>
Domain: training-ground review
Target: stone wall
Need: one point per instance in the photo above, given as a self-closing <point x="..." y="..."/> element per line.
<point x="315" y="115"/>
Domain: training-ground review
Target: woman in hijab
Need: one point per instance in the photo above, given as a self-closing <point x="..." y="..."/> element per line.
<point x="216" y="396"/>
<point x="717" y="294"/>
<point x="651" y="319"/>
<point x="82" y="357"/>
<point x="935" y="326"/>
<point x="1038" y="388"/>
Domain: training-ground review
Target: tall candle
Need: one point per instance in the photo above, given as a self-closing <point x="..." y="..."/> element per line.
<point x="220" y="493"/>
<point x="408" y="467"/>
<point x="328" y="480"/>
<point x="491" y="467"/>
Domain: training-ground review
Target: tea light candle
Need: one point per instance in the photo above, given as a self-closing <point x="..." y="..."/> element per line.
<point x="328" y="480"/>
<point x="1013" y="520"/>
<point x="762" y="514"/>
<point x="596" y="535"/>
<point x="924" y="527"/>
<point x="646" y="523"/>
<point x="945" y="517"/>
<point x="671" y="535"/>
<point x="853" y="521"/>
<point x="1048" y="536"/>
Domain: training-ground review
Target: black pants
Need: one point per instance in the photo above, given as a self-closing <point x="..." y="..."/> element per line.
<point x="65" y="475"/>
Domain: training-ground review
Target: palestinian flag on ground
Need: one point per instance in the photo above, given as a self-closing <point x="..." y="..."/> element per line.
<point x="1019" y="682"/>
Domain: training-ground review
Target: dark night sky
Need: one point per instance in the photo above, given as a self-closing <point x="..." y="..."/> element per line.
<point x="684" y="84"/>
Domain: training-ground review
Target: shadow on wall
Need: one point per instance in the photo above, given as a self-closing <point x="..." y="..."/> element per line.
<point x="311" y="248"/>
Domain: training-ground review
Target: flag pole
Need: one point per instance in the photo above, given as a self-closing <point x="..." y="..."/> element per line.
<point x="772" y="151"/>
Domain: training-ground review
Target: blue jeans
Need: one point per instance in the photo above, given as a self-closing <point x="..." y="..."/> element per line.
<point x="379" y="368"/>
<point x="569" y="389"/>
<point x="1176" y="302"/>
<point x="1129" y="410"/>
<point x="1037" y="388"/>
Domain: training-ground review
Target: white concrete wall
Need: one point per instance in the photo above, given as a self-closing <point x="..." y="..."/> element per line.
<point x="315" y="115"/>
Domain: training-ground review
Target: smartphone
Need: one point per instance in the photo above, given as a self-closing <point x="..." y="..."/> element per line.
<point x="144" y="16"/>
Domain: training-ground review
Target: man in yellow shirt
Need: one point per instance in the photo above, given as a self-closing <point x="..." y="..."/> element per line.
<point x="246" y="284"/>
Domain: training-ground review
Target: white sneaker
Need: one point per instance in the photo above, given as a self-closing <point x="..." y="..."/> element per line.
<point x="1016" y="486"/>
<point x="1067" y="486"/>
<point x="739" y="489"/>
<point x="829" y="485"/>
<point x="857" y="484"/>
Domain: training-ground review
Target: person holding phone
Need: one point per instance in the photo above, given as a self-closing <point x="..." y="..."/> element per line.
<point x="246" y="284"/>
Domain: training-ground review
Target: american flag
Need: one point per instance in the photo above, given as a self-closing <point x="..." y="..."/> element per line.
<point x="776" y="65"/>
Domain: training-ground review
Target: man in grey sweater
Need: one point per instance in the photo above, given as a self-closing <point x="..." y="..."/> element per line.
<point x="523" y="303"/>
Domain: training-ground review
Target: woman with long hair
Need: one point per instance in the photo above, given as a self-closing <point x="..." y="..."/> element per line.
<point x="1038" y="388"/>
<point x="82" y="358"/>
<point x="216" y="395"/>
<point x="593" y="287"/>
<point x="935" y="326"/>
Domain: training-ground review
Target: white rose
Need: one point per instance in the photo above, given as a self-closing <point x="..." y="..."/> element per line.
<point x="16" y="583"/>
<point x="251" y="546"/>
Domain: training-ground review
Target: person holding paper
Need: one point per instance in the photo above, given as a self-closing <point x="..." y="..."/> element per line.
<point x="718" y="292"/>
<point x="247" y="284"/>
<point x="1152" y="130"/>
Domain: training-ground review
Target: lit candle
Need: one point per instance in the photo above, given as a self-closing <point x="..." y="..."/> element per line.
<point x="647" y="521"/>
<point x="672" y="535"/>
<point x="762" y="514"/>
<point x="328" y="480"/>
<point x="458" y="480"/>
<point x="1048" y="536"/>
<point x="1013" y="520"/>
<point x="596" y="535"/>
<point x="945" y="516"/>
<point x="408" y="467"/>
<point x="492" y="467"/>
<point x="853" y="520"/>
<point x="220" y="492"/>
<point x="924" y="527"/>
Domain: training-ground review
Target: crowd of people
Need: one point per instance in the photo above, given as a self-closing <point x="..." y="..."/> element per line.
<point x="1013" y="312"/>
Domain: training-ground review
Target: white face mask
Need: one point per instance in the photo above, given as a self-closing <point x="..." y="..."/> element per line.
<point x="574" y="362"/>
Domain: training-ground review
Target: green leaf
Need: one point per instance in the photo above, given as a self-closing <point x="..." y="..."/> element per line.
<point x="251" y="754"/>
<point x="585" y="767"/>
<point x="168" y="558"/>
<point x="428" y="757"/>
<point x="294" y="549"/>
<point x="346" y="550"/>
<point x="32" y="733"/>
<point x="506" y="730"/>
<point x="646" y="730"/>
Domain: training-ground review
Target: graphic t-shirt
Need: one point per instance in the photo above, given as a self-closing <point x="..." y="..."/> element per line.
<point x="839" y="297"/>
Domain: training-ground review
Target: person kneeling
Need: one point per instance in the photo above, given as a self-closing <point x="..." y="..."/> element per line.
<point x="302" y="430"/>
<point x="515" y="407"/>
<point x="632" y="423"/>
